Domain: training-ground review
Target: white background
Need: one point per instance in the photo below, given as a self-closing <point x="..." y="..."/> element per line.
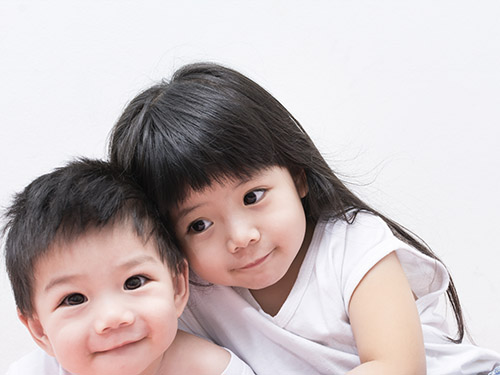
<point x="402" y="97"/>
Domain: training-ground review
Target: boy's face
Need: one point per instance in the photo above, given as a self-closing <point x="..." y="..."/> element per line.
<point x="106" y="303"/>
<point x="244" y="233"/>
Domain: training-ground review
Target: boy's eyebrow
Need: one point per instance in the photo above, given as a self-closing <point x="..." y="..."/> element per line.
<point x="135" y="261"/>
<point x="61" y="280"/>
<point x="141" y="259"/>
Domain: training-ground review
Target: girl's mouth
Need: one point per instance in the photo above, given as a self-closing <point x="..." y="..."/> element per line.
<point x="255" y="263"/>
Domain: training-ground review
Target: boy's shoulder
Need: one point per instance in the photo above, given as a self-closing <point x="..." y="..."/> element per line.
<point x="190" y="354"/>
<point x="36" y="362"/>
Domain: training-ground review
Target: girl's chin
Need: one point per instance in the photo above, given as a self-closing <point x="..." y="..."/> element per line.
<point x="262" y="284"/>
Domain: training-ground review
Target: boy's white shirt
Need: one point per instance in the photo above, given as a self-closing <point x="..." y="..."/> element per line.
<point x="40" y="363"/>
<point x="311" y="333"/>
<point x="36" y="362"/>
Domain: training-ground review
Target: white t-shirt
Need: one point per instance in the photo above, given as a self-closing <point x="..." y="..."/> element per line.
<point x="40" y="363"/>
<point x="311" y="333"/>
<point x="36" y="362"/>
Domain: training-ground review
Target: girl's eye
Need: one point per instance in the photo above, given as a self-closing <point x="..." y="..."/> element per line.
<point x="253" y="196"/>
<point x="200" y="225"/>
<point x="74" y="299"/>
<point x="134" y="282"/>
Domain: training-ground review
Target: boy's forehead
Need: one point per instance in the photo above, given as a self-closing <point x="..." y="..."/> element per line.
<point x="68" y="233"/>
<point x="122" y="240"/>
<point x="65" y="242"/>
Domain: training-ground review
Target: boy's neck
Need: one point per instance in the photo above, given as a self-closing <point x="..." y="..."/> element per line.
<point x="156" y="367"/>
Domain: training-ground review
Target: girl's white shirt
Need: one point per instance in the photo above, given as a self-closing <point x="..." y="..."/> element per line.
<point x="38" y="362"/>
<point x="311" y="333"/>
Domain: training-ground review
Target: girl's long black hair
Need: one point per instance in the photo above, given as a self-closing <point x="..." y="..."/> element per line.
<point x="209" y="123"/>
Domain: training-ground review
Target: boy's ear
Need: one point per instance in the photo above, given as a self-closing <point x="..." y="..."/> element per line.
<point x="37" y="332"/>
<point x="300" y="180"/>
<point x="181" y="288"/>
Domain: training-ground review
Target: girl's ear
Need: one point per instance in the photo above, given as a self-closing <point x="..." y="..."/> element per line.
<point x="181" y="288"/>
<point x="36" y="330"/>
<point x="300" y="180"/>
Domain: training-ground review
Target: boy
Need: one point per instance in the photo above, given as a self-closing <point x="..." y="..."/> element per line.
<point x="98" y="282"/>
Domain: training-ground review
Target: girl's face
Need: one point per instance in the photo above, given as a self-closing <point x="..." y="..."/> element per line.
<point x="244" y="233"/>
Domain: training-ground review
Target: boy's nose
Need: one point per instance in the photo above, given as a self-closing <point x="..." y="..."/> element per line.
<point x="113" y="317"/>
<point x="241" y="234"/>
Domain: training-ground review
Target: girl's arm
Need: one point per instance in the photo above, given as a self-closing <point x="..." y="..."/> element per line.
<point x="385" y="322"/>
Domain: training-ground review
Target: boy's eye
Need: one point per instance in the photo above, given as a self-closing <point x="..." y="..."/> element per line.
<point x="74" y="299"/>
<point x="200" y="225"/>
<point x="253" y="196"/>
<point x="134" y="282"/>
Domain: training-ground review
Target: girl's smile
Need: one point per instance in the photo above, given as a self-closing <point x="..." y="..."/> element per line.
<point x="255" y="263"/>
<point x="244" y="233"/>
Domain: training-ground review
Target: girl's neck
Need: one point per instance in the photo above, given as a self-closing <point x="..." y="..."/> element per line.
<point x="274" y="296"/>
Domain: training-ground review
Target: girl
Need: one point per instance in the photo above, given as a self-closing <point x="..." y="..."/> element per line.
<point x="291" y="270"/>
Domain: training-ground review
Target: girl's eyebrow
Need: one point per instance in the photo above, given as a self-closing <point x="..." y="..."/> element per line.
<point x="237" y="183"/>
<point x="186" y="210"/>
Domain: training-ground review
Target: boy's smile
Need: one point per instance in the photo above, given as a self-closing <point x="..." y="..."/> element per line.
<point x="105" y="303"/>
<point x="244" y="233"/>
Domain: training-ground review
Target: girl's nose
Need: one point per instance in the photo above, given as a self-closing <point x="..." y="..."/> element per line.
<point x="113" y="316"/>
<point x="241" y="234"/>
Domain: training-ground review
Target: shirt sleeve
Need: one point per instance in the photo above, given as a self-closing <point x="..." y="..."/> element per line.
<point x="368" y="240"/>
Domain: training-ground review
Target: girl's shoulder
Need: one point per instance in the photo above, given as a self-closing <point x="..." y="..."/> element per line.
<point x="353" y="245"/>
<point x="350" y="245"/>
<point x="356" y="225"/>
<point x="363" y="236"/>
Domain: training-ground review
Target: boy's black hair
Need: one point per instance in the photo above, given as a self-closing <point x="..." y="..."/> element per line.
<point x="65" y="204"/>
<point x="209" y="123"/>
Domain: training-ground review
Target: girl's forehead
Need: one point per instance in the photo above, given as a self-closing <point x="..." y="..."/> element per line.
<point x="215" y="183"/>
<point x="228" y="181"/>
<point x="225" y="180"/>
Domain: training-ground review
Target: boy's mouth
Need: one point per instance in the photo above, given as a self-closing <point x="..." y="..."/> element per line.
<point x="117" y="347"/>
